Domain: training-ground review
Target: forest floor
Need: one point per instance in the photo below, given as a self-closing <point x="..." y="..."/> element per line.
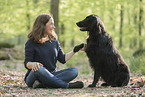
<point x="12" y="85"/>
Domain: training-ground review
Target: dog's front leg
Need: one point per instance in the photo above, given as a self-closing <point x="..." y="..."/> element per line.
<point x="96" y="78"/>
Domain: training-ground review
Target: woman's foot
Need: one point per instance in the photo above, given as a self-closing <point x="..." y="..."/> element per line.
<point x="77" y="84"/>
<point x="36" y="84"/>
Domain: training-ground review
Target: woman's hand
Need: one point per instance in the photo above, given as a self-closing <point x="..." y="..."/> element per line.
<point x="76" y="49"/>
<point x="34" y="65"/>
<point x="85" y="45"/>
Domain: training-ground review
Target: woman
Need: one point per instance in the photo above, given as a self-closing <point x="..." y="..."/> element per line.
<point x="42" y="50"/>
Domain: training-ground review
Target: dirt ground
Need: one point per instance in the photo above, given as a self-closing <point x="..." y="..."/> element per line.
<point x="12" y="85"/>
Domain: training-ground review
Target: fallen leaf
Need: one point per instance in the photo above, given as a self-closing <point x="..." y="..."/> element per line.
<point x="1" y="91"/>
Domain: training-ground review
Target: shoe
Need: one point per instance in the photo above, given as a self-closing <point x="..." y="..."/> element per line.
<point x="77" y="84"/>
<point x="36" y="84"/>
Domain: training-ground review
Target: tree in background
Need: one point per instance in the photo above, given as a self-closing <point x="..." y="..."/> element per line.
<point x="140" y="25"/>
<point x="62" y="33"/>
<point x="18" y="15"/>
<point x="121" y="26"/>
<point x="54" y="10"/>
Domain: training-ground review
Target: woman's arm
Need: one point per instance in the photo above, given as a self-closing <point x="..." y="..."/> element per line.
<point x="69" y="55"/>
<point x="76" y="49"/>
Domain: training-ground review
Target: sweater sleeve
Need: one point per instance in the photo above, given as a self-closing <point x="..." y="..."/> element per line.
<point x="29" y="53"/>
<point x="61" y="55"/>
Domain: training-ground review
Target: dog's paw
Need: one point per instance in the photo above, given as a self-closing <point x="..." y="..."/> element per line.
<point x="91" y="86"/>
<point x="104" y="84"/>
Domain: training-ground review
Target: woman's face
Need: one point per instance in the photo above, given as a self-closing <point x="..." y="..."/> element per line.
<point x="50" y="26"/>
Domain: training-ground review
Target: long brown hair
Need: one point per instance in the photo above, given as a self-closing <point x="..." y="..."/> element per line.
<point x="38" y="33"/>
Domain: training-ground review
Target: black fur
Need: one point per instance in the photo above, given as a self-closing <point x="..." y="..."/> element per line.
<point x="104" y="58"/>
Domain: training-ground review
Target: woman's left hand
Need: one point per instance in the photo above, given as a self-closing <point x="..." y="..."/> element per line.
<point x="85" y="45"/>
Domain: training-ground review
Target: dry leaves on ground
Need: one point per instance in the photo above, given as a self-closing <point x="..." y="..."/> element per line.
<point x="12" y="84"/>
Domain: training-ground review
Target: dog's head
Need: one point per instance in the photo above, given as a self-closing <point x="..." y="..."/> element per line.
<point x="91" y="23"/>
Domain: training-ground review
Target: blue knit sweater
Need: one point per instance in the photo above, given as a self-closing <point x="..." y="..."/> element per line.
<point x="47" y="54"/>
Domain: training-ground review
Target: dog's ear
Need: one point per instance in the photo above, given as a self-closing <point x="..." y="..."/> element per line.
<point x="100" y="25"/>
<point x="99" y="28"/>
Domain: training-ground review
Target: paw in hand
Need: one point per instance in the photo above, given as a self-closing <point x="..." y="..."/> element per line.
<point x="78" y="47"/>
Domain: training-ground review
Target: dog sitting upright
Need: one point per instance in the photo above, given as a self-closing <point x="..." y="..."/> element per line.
<point x="104" y="58"/>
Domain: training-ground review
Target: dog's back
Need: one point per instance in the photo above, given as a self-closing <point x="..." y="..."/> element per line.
<point x="107" y="61"/>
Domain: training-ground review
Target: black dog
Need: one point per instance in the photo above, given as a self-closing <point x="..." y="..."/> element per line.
<point x="104" y="58"/>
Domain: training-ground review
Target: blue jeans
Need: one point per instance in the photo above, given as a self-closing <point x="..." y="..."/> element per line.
<point x="58" y="79"/>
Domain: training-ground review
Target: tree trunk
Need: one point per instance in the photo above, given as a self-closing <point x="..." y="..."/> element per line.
<point x="72" y="42"/>
<point x="129" y="23"/>
<point x="35" y="1"/>
<point x="28" y="15"/>
<point x="19" y="39"/>
<point x="54" y="10"/>
<point x="121" y="26"/>
<point x="112" y="19"/>
<point x="62" y="33"/>
<point x="140" y="25"/>
<point x="135" y="22"/>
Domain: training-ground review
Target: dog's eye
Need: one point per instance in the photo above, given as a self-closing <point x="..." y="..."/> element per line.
<point x="87" y="18"/>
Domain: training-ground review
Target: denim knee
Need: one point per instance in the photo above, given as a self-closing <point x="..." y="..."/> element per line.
<point x="74" y="71"/>
<point x="33" y="75"/>
<point x="43" y="70"/>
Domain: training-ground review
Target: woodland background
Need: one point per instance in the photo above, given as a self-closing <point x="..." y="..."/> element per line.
<point x="124" y="20"/>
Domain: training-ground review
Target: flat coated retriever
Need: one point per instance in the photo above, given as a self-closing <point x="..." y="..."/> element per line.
<point x="104" y="58"/>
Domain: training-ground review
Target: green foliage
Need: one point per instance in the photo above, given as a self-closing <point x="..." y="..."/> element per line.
<point x="16" y="16"/>
<point x="14" y="20"/>
<point x="13" y="14"/>
<point x="18" y="53"/>
<point x="138" y="64"/>
<point x="6" y="45"/>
